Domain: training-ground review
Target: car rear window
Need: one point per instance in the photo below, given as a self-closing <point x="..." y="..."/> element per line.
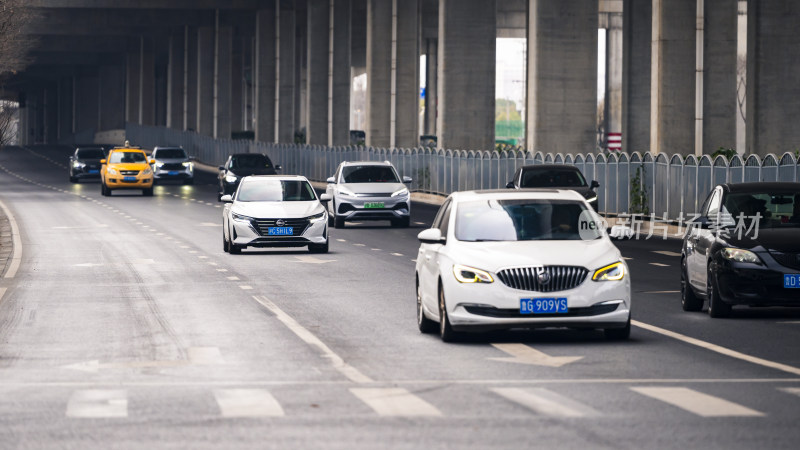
<point x="126" y="157"/>
<point x="275" y="191"/>
<point x="538" y="178"/>
<point x="523" y="220"/>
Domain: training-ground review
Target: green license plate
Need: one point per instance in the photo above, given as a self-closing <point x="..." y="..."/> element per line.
<point x="374" y="205"/>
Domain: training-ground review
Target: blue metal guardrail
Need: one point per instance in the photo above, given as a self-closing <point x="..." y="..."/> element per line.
<point x="676" y="186"/>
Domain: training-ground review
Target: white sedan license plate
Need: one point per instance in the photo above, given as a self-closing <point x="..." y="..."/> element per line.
<point x="280" y="231"/>
<point x="548" y="305"/>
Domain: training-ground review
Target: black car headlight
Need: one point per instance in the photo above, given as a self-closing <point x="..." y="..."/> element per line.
<point x="740" y="255"/>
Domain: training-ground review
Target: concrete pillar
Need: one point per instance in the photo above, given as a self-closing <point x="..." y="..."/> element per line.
<point x="773" y="62"/>
<point x="406" y="74"/>
<point x="237" y="86"/>
<point x="132" y="85"/>
<point x="286" y="72"/>
<point x="719" y="74"/>
<point x="112" y="97"/>
<point x="65" y="109"/>
<point x="265" y="72"/>
<point x="339" y="70"/>
<point x="637" y="35"/>
<point x="161" y="79"/>
<point x="190" y="78"/>
<point x="379" y="73"/>
<point x="147" y="82"/>
<point x="431" y="88"/>
<point x="301" y="60"/>
<point x="248" y="86"/>
<point x="562" y="76"/>
<point x="672" y="116"/>
<point x="613" y="98"/>
<point x="205" y="80"/>
<point x="222" y="83"/>
<point x="22" y="127"/>
<point x="86" y="110"/>
<point x="467" y="47"/>
<point x="318" y="65"/>
<point x="175" y="80"/>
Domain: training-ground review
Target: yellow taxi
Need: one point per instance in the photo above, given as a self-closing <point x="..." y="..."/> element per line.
<point x="126" y="168"/>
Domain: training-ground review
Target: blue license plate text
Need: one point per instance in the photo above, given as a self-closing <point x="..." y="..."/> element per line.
<point x="279" y="231"/>
<point x="791" y="281"/>
<point x="543" y="306"/>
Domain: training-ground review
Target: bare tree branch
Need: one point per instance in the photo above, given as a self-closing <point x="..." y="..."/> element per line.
<point x="14" y="43"/>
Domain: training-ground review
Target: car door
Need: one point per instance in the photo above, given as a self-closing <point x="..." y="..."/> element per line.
<point x="430" y="256"/>
<point x="703" y="239"/>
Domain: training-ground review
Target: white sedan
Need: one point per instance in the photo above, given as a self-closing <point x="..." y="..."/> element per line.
<point x="274" y="211"/>
<point x="524" y="259"/>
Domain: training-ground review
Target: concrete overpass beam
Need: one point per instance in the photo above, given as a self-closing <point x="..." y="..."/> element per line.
<point x="175" y="79"/>
<point x="613" y="97"/>
<point x="264" y="77"/>
<point x="132" y="84"/>
<point x="147" y="82"/>
<point x="237" y="88"/>
<point x="222" y="83"/>
<point x="317" y="73"/>
<point x="637" y="35"/>
<point x="206" y="38"/>
<point x="672" y="126"/>
<point x="562" y="76"/>
<point x="190" y="78"/>
<point x="406" y="76"/>
<point x="773" y="62"/>
<point x="339" y="69"/>
<point x="719" y="74"/>
<point x="379" y="132"/>
<point x="431" y="89"/>
<point x="112" y="97"/>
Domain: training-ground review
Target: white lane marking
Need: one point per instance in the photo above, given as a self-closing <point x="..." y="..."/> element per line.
<point x="185" y="246"/>
<point x="545" y="402"/>
<point x="359" y="245"/>
<point x="217" y="206"/>
<point x="397" y="254"/>
<point x="695" y="402"/>
<point x="222" y="270"/>
<point x="419" y="223"/>
<point x="2" y="292"/>
<point x="789" y="390"/>
<point x="16" y="241"/>
<point x="312" y="260"/>
<point x="666" y="253"/>
<point x="233" y="278"/>
<point x="95" y="403"/>
<point x="626" y="258"/>
<point x="523" y="354"/>
<point x="341" y="240"/>
<point x="247" y="403"/>
<point x="376" y="249"/>
<point x="661" y="292"/>
<point x="245" y="287"/>
<point x="717" y="348"/>
<point x="211" y="263"/>
<point x="791" y="321"/>
<point x="209" y="224"/>
<point x="202" y="257"/>
<point x="659" y="265"/>
<point x="395" y="402"/>
<point x="413" y="260"/>
<point x="192" y="251"/>
<point x="309" y="338"/>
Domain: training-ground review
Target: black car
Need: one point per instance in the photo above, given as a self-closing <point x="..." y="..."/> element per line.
<point x="85" y="163"/>
<point x="241" y="165"/>
<point x="743" y="249"/>
<point x="559" y="176"/>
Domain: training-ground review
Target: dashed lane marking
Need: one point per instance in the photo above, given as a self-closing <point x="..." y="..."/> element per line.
<point x="247" y="403"/>
<point x="659" y="265"/>
<point x="666" y="253"/>
<point x="545" y="402"/>
<point x="359" y="245"/>
<point x="696" y="402"/>
<point x="245" y="287"/>
<point x="395" y="402"/>
<point x="791" y="390"/>
<point x="98" y="404"/>
<point x="341" y="240"/>
<point x="397" y="254"/>
<point x="233" y="278"/>
<point x="309" y="338"/>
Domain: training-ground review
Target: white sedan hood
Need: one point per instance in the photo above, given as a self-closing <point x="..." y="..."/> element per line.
<point x="373" y="188"/>
<point x="277" y="210"/>
<point x="494" y="256"/>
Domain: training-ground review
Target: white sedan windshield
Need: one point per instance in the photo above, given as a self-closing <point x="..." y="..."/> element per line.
<point x="276" y="191"/>
<point x="523" y="220"/>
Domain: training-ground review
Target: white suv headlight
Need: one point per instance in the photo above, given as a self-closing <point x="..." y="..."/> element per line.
<point x="346" y="192"/>
<point x="78" y="165"/>
<point x="466" y="274"/>
<point x="402" y="192"/>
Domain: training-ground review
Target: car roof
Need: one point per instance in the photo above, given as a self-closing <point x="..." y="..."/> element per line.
<point x="511" y="194"/>
<point x="550" y="166"/>
<point x="123" y="149"/>
<point x="737" y="188"/>
<point x="276" y="177"/>
<point x="234" y="155"/>
<point x="366" y="163"/>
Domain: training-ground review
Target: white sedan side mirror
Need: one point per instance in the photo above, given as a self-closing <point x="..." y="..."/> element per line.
<point x="331" y="180"/>
<point x="407" y="180"/>
<point x="431" y="236"/>
<point x="325" y="198"/>
<point x="226" y="199"/>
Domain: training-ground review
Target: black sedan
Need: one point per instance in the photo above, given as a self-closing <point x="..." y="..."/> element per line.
<point x="240" y="165"/>
<point x="743" y="249"/>
<point x="559" y="176"/>
<point x="85" y="163"/>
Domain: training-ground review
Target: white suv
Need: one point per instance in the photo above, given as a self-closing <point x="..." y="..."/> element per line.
<point x="368" y="190"/>
<point x="172" y="163"/>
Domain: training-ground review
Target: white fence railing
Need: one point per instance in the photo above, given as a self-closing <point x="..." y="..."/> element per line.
<point x="674" y="185"/>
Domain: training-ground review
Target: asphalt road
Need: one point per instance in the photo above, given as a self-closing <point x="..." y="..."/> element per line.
<point x="126" y="326"/>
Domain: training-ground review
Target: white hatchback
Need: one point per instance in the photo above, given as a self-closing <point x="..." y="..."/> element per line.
<point x="274" y="211"/>
<point x="520" y="259"/>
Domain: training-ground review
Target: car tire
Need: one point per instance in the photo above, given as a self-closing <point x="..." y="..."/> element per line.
<point x="148" y="192"/>
<point x="318" y="248"/>
<point x="226" y="246"/>
<point x="618" y="334"/>
<point x="425" y="325"/>
<point x="104" y="191"/>
<point x="338" y="222"/>
<point x="689" y="299"/>
<point x="404" y="222"/>
<point x="716" y="307"/>
<point x="445" y="329"/>
<point x="234" y="249"/>
<point x="188" y="181"/>
<point x="331" y="219"/>
<point x="73" y="179"/>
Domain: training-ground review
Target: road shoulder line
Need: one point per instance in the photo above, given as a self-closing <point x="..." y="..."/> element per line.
<point x="718" y="349"/>
<point x="16" y="242"/>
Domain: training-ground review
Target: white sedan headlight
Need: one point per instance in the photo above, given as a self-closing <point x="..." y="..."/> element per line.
<point x="231" y="178"/>
<point x="740" y="255"/>
<point x="241" y="218"/>
<point x="611" y="272"/>
<point x="466" y="274"/>
<point x="318" y="217"/>
<point x="401" y="193"/>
